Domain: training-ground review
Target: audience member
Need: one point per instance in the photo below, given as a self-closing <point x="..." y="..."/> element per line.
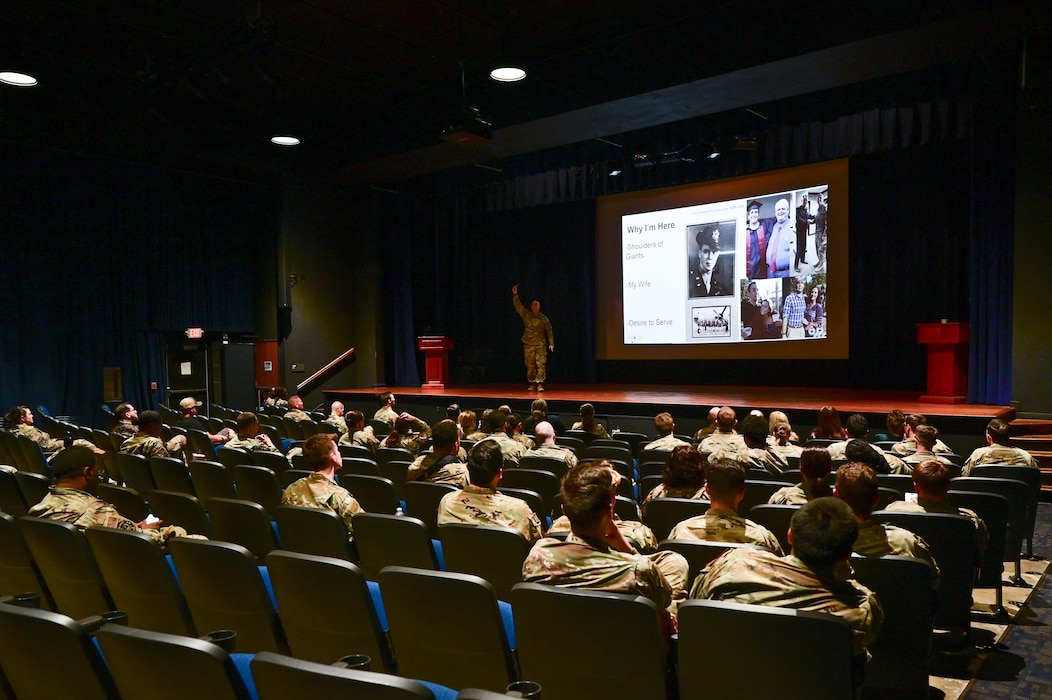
<point x="410" y="433"/>
<point x="726" y="438"/>
<point x="588" y="423"/>
<point x="358" y="433"/>
<point x="829" y="427"/>
<point x="856" y="485"/>
<point x="857" y="428"/>
<point x="758" y="454"/>
<point x="336" y="418"/>
<point x="320" y="490"/>
<point x="682" y="477"/>
<point x="469" y="426"/>
<point x="908" y="444"/>
<point x="710" y="427"/>
<point x="513" y="451"/>
<point x="596" y="554"/>
<point x="775" y="419"/>
<point x="546" y="447"/>
<point x="20" y="419"/>
<point x="191" y="421"/>
<point x="248" y="436"/>
<point x="442" y="465"/>
<point x="480" y="504"/>
<point x="513" y="428"/>
<point x="780" y="441"/>
<point x="148" y="443"/>
<point x="539" y="412"/>
<point x="895" y="425"/>
<point x="931" y="479"/>
<point x="878" y="461"/>
<point x="815" y="576"/>
<point x="926" y="436"/>
<point x="815" y="466"/>
<point x="296" y="411"/>
<point x="126" y="415"/>
<point x="725" y="487"/>
<point x="72" y="499"/>
<point x="386" y="412"/>
<point x="998" y="450"/>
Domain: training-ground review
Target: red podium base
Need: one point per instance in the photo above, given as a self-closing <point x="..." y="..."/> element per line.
<point x="436" y="361"/>
<point x="947" y="361"/>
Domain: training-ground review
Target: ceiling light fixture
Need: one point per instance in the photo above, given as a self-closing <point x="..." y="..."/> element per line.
<point x="507" y="74"/>
<point x="16" y="79"/>
<point x="285" y="140"/>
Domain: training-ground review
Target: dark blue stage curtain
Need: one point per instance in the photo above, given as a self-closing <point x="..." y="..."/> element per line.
<point x="100" y="258"/>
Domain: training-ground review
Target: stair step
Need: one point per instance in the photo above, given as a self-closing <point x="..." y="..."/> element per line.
<point x="1030" y="426"/>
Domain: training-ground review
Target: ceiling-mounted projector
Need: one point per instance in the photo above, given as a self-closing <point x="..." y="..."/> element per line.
<point x="469" y="127"/>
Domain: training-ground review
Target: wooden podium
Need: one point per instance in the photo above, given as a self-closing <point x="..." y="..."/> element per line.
<point x="436" y="360"/>
<point x="947" y="361"/>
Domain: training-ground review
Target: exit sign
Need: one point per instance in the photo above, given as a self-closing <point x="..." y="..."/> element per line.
<point x="195" y="332"/>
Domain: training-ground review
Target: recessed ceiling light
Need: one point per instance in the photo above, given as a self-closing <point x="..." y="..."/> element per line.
<point x="507" y="74"/>
<point x="285" y="140"/>
<point x="17" y="79"/>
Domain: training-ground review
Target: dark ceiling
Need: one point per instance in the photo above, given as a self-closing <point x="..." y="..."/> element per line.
<point x="203" y="84"/>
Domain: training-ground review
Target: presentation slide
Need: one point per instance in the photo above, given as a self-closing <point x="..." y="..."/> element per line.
<point x="766" y="266"/>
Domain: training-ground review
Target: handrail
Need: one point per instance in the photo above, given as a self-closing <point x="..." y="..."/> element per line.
<point x="307" y="385"/>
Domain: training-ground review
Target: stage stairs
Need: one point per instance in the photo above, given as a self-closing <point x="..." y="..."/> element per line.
<point x="1035" y="436"/>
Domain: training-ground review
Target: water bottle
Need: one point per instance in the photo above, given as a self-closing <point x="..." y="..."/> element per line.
<point x="399" y="512"/>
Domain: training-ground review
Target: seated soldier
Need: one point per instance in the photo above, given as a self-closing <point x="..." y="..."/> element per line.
<point x="125" y="414"/>
<point x="998" y="450"/>
<point x="709" y="428"/>
<point x="336" y="411"/>
<point x="931" y="479"/>
<point x="320" y="490"/>
<point x="588" y="423"/>
<point x="191" y="421"/>
<point x="926" y="436"/>
<point x="546" y="447"/>
<point x="815" y="575"/>
<point x="248" y="436"/>
<point x="72" y="499"/>
<point x="879" y="461"/>
<point x="20" y="419"/>
<point x="409" y="433"/>
<point x="683" y="476"/>
<point x="780" y="441"/>
<point x="725" y="487"/>
<point x="497" y="421"/>
<point x="480" y="504"/>
<point x="815" y="466"/>
<point x="856" y="485"/>
<point x="857" y="428"/>
<point x="296" y="411"/>
<point x="442" y="465"/>
<point x="513" y="428"/>
<point x="386" y="412"/>
<point x="758" y="454"/>
<point x="357" y="432"/>
<point x="908" y="445"/>
<point x="469" y="426"/>
<point x="665" y="429"/>
<point x="148" y="443"/>
<point x="596" y="555"/>
<point x="726" y="438"/>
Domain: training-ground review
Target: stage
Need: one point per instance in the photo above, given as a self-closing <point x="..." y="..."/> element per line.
<point x="630" y="407"/>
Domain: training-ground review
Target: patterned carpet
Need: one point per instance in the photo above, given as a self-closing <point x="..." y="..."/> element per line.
<point x="1019" y="664"/>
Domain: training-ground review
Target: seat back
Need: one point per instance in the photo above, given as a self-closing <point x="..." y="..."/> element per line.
<point x="151" y="597"/>
<point x="573" y="666"/>
<point x="899" y="663"/>
<point x="1018" y="495"/>
<point x="993" y="508"/>
<point x="348" y="623"/>
<point x="314" y="531"/>
<point x="421" y="501"/>
<point x="12" y="500"/>
<point x="33" y="456"/>
<point x="67" y="566"/>
<point x="10" y="451"/>
<point x="902" y="483"/>
<point x="274" y="461"/>
<point x="944" y="534"/>
<point x="493" y="553"/>
<point x="257" y="484"/>
<point x="225" y="591"/>
<point x="544" y="463"/>
<point x="29" y="639"/>
<point x="392" y="540"/>
<point x="34" y="486"/>
<point x="700" y="553"/>
<point x="654" y="456"/>
<point x="803" y="650"/>
<point x="379" y="427"/>
<point x="182" y="509"/>
<point x="290" y="476"/>
<point x="128" y="502"/>
<point x="395" y="471"/>
<point x="359" y="465"/>
<point x="280" y="677"/>
<point x="375" y="494"/>
<point x="393" y="454"/>
<point x="356" y="452"/>
<point x="292" y="428"/>
<point x="459" y="646"/>
<point x="576" y="444"/>
<point x="531" y="498"/>
<point x="170" y="474"/>
<point x="200" y="443"/>
<point x="582" y="435"/>
<point x="544" y="483"/>
<point x="775" y="518"/>
<point x="758" y="491"/>
<point x="595" y="451"/>
<point x="212" y="480"/>
<point x="230" y="457"/>
<point x="1029" y="476"/>
<point x="135" y="471"/>
<point x="191" y="668"/>
<point x="18" y="571"/>
<point x="663" y="514"/>
<point x="244" y="523"/>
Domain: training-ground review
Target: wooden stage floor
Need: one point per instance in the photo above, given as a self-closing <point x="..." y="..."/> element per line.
<point x="693" y="401"/>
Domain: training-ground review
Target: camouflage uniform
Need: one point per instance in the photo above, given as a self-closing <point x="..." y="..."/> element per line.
<point x="125" y="429"/>
<point x="46" y="442"/>
<point x="756" y="577"/>
<point x="730" y="442"/>
<point x="667" y="443"/>
<point x="386" y="414"/>
<point x="923" y="505"/>
<point x="339" y="422"/>
<point x="319" y="491"/>
<point x="512" y="450"/>
<point x="661" y="491"/>
<point x="722" y="525"/>
<point x="478" y="505"/>
<point x="597" y="429"/>
<point x="765" y="458"/>
<point x="454" y="473"/>
<point x="999" y="454"/>
<point x="703" y="433"/>
<point x="917" y="457"/>
<point x="414" y="442"/>
<point x="477" y="436"/>
<point x="8" y="468"/>
<point x="880" y="539"/>
<point x="250" y="444"/>
<point x="638" y="535"/>
<point x="909" y="445"/>
<point x="591" y="564"/>
<point x="364" y="437"/>
<point x="297" y="415"/>
<point x="84" y="510"/>
<point x="558" y="452"/>
<point x="150" y="446"/>
<point x="786" y="450"/>
<point x="524" y="440"/>
<point x="535" y="350"/>
<point x="791" y="496"/>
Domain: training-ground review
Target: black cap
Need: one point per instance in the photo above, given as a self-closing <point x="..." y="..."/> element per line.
<point x="710" y="236"/>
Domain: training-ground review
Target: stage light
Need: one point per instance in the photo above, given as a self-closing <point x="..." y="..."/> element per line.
<point x="16" y="79"/>
<point x="285" y="140"/>
<point x="507" y="74"/>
